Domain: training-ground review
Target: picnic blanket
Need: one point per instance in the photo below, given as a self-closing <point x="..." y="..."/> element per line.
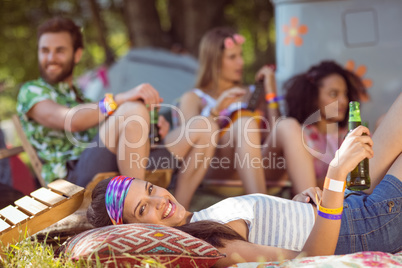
<point x="356" y="260"/>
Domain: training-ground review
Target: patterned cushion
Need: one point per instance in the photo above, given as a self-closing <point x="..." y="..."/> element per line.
<point x="137" y="243"/>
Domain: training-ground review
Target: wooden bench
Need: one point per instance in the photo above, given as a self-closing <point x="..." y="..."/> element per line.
<point x="42" y="208"/>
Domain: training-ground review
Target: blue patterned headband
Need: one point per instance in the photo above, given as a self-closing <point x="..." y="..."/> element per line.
<point x="116" y="192"/>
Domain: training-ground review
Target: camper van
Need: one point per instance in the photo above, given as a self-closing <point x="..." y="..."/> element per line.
<point x="362" y="35"/>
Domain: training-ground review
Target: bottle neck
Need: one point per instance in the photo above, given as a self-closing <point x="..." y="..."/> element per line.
<point x="354" y="112"/>
<point x="354" y="116"/>
<point x="154" y="116"/>
<point x="353" y="124"/>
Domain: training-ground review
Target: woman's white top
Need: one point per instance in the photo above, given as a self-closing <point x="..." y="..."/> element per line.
<point x="208" y="101"/>
<point x="271" y="221"/>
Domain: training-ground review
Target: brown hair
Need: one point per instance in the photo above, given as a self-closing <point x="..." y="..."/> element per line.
<point x="302" y="90"/>
<point x="210" y="57"/>
<point x="97" y="213"/>
<point x="212" y="232"/>
<point x="59" y="24"/>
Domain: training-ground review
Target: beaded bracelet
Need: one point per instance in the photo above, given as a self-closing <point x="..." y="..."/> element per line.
<point x="334" y="185"/>
<point x="329" y="216"/>
<point x="102" y="107"/>
<point x="273" y="105"/>
<point x="107" y="105"/>
<point x="333" y="211"/>
<point x="276" y="99"/>
<point x="270" y="96"/>
<point x="110" y="104"/>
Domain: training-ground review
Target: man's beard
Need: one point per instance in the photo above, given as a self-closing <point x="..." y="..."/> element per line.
<point x="67" y="71"/>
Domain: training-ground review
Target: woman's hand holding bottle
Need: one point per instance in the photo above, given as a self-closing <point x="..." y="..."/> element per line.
<point x="354" y="149"/>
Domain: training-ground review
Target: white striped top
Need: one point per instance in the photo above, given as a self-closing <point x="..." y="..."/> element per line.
<point x="271" y="221"/>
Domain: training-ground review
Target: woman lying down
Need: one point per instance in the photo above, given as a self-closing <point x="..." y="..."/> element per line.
<point x="257" y="226"/>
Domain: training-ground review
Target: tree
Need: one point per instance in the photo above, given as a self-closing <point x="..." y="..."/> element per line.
<point x="182" y="23"/>
<point x="191" y="19"/>
<point x="188" y="21"/>
<point x="111" y="27"/>
<point x="102" y="33"/>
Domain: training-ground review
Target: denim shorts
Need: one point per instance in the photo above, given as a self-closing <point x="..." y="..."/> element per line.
<point x="372" y="222"/>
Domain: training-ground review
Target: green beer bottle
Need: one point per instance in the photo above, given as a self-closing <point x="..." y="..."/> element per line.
<point x="358" y="179"/>
<point x="154" y="128"/>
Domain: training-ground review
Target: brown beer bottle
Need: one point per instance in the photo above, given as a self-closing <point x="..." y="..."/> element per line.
<point x="358" y="179"/>
<point x="154" y="128"/>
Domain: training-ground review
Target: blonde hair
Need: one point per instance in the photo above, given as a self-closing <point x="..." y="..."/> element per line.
<point x="210" y="57"/>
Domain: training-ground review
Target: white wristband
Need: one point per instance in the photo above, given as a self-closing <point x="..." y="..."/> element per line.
<point x="334" y="185"/>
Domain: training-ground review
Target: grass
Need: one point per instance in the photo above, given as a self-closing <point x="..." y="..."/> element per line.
<point x="32" y="253"/>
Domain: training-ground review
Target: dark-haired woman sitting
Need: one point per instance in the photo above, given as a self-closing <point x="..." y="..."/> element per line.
<point x="317" y="109"/>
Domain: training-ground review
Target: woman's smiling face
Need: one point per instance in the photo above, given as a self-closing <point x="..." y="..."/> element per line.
<point x="148" y="203"/>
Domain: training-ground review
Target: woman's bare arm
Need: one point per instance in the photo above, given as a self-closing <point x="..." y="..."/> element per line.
<point x="324" y="235"/>
<point x="84" y="116"/>
<point x="241" y="251"/>
<point x="190" y="106"/>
